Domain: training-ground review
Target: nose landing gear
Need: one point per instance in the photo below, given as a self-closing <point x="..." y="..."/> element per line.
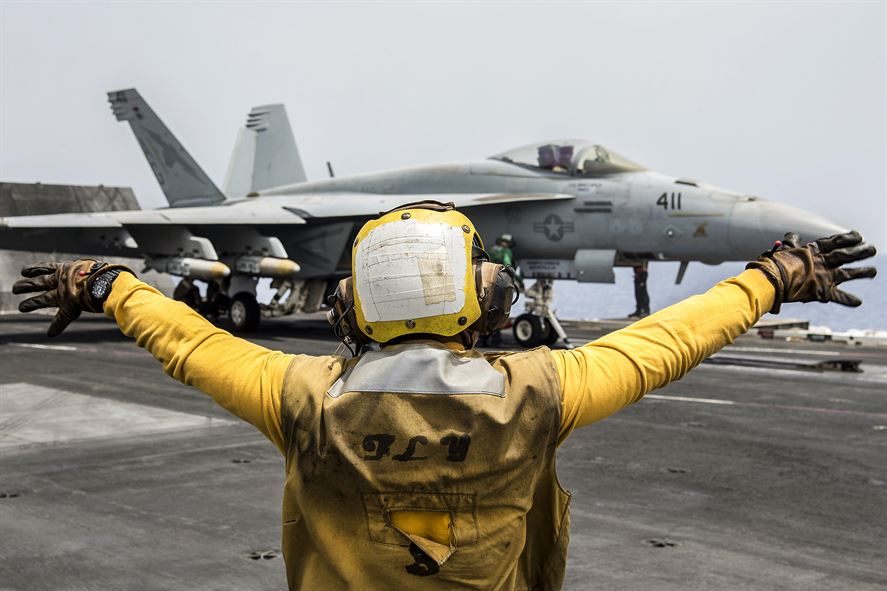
<point x="539" y="325"/>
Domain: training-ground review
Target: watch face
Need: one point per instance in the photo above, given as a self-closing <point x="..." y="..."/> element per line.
<point x="101" y="287"/>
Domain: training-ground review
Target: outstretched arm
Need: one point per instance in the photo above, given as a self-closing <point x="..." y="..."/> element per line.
<point x="608" y="374"/>
<point x="614" y="371"/>
<point x="242" y="377"/>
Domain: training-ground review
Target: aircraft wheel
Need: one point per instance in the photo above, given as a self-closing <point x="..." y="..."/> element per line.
<point x="549" y="335"/>
<point x="527" y="330"/>
<point x="187" y="292"/>
<point x="244" y="312"/>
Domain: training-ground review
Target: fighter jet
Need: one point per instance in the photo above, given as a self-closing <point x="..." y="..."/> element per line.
<point x="576" y="209"/>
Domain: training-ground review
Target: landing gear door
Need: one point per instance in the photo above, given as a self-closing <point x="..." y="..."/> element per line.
<point x="590" y="265"/>
<point x="594" y="265"/>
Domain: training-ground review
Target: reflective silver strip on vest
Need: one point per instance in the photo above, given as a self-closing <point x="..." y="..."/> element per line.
<point x="421" y="369"/>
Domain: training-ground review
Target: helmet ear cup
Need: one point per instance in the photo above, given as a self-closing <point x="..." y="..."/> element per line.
<point x="341" y="315"/>
<point x="497" y="292"/>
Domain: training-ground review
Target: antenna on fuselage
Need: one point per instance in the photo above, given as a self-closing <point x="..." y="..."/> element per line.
<point x="329" y="167"/>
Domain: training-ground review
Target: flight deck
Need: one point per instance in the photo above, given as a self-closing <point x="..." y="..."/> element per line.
<point x="739" y="476"/>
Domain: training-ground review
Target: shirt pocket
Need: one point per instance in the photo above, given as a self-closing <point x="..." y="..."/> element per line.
<point x="461" y="509"/>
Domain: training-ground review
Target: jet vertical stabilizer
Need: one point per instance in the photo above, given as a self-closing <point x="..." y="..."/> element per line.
<point x="183" y="181"/>
<point x="265" y="154"/>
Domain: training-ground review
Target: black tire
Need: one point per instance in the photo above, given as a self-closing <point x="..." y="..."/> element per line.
<point x="549" y="335"/>
<point x="527" y="330"/>
<point x="244" y="312"/>
<point x="186" y="292"/>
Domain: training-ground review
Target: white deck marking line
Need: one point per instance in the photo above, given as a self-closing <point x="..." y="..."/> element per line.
<point x="837" y="411"/>
<point x="776" y="350"/>
<point x="49" y="347"/>
<point x="688" y="399"/>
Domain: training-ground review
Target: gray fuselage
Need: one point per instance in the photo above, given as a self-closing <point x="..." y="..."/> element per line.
<point x="642" y="215"/>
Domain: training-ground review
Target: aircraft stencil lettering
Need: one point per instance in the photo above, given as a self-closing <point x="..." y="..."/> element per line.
<point x="271" y="222"/>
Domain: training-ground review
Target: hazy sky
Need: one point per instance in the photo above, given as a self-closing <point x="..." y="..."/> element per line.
<point x="785" y="100"/>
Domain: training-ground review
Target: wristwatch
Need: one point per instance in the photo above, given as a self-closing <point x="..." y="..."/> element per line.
<point x="100" y="286"/>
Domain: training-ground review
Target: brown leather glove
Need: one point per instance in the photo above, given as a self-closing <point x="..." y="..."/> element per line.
<point x="812" y="272"/>
<point x="67" y="286"/>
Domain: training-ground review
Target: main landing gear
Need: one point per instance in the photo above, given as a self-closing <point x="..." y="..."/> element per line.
<point x="243" y="310"/>
<point x="539" y="325"/>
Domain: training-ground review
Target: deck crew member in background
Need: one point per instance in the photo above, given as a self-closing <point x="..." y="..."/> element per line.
<point x="501" y="253"/>
<point x="420" y="462"/>
<point x="641" y="295"/>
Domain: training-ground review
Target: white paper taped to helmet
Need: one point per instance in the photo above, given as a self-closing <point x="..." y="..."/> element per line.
<point x="413" y="273"/>
<point x="410" y="269"/>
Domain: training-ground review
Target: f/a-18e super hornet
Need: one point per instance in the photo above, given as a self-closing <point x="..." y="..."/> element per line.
<point x="577" y="210"/>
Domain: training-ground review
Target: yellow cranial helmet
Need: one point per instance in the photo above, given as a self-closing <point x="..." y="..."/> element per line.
<point x="413" y="273"/>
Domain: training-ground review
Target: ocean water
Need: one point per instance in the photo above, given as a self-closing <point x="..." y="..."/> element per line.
<point x="588" y="301"/>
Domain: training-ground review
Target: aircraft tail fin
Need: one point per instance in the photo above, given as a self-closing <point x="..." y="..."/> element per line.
<point x="265" y="154"/>
<point x="183" y="181"/>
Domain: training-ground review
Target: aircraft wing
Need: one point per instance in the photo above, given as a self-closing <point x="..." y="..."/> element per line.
<point x="160" y="232"/>
<point x="270" y="210"/>
<point x="312" y="229"/>
<point x="339" y="205"/>
<point x="200" y="216"/>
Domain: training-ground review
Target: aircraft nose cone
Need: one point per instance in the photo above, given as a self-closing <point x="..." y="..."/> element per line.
<point x="755" y="225"/>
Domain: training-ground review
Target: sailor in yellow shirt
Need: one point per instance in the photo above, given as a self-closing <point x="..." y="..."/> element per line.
<point x="421" y="463"/>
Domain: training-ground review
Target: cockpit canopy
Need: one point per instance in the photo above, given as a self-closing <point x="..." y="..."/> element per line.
<point x="568" y="157"/>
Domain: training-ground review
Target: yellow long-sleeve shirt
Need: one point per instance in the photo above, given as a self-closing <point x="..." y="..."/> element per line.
<point x="596" y="379"/>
